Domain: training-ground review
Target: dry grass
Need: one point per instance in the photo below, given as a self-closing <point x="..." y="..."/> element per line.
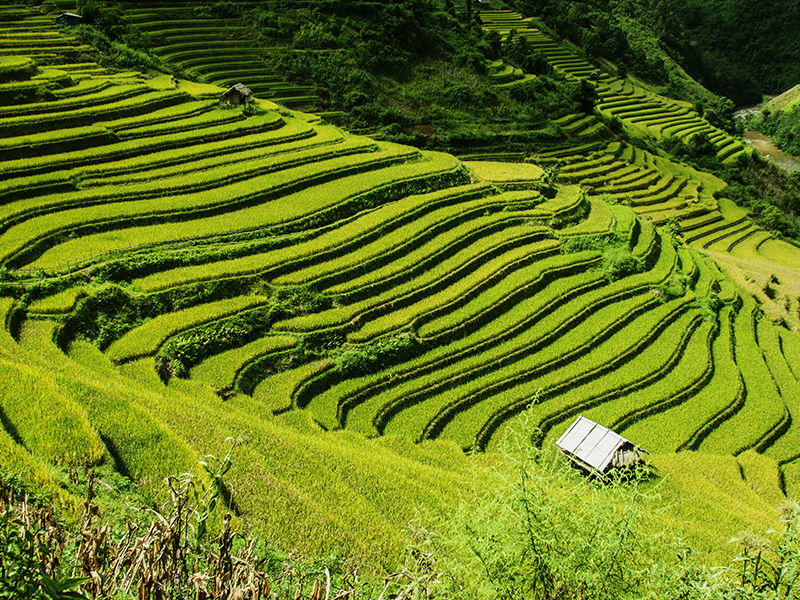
<point x="774" y="287"/>
<point x="156" y="558"/>
<point x="787" y="99"/>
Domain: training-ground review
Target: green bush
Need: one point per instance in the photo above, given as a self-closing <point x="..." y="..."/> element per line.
<point x="460" y="95"/>
<point x="674" y="287"/>
<point x="187" y="349"/>
<point x="122" y="47"/>
<point x="619" y="262"/>
<point x="368" y="358"/>
<point x="104" y="16"/>
<point x="532" y="61"/>
<point x="547" y="532"/>
<point x="226" y="8"/>
<point x="104" y="316"/>
<point x="782" y="125"/>
<point x="315" y="36"/>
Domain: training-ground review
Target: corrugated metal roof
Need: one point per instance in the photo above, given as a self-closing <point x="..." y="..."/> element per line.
<point x="591" y="443"/>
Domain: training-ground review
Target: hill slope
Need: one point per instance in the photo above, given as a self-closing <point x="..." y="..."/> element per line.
<point x="176" y="272"/>
<point x="736" y="48"/>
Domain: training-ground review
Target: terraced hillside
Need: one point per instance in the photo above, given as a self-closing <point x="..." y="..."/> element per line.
<point x="222" y="51"/>
<point x="653" y="186"/>
<point x="656" y="188"/>
<point x="641" y="112"/>
<point x="174" y="271"/>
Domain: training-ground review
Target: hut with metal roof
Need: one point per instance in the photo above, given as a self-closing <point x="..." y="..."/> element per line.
<point x="597" y="449"/>
<point x="69" y="19"/>
<point x="237" y="94"/>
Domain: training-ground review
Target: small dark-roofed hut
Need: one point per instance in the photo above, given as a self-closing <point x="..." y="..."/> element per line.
<point x="69" y="19"/>
<point x="597" y="449"/>
<point x="237" y="94"/>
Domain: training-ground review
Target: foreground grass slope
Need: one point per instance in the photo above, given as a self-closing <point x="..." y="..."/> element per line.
<point x="176" y="273"/>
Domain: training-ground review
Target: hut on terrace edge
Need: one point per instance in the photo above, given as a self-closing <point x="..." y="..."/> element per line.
<point x="69" y="19"/>
<point x="237" y="94"/>
<point x="596" y="449"/>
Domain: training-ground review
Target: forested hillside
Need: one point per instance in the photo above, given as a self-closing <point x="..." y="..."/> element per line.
<point x="747" y="48"/>
<point x="350" y="316"/>
<point x="740" y="49"/>
<point x="428" y="74"/>
<point x="412" y="71"/>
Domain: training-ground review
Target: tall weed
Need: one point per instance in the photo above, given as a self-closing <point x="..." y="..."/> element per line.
<point x="544" y="531"/>
<point x="547" y="532"/>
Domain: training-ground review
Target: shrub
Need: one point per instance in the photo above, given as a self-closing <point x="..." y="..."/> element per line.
<point x="187" y="349"/>
<point x="380" y="354"/>
<point x="107" y="18"/>
<point x="315" y="36"/>
<point x="674" y="287"/>
<point x="104" y="316"/>
<point x="709" y="306"/>
<point x="619" y="262"/>
<point x="602" y="242"/>
<point x="225" y="8"/>
<point x="459" y="94"/>
<point x="470" y="58"/>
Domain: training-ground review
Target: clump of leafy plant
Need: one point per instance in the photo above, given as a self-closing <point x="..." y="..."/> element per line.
<point x="354" y="360"/>
<point x="618" y="262"/>
<point x="547" y="532"/>
<point x="676" y="286"/>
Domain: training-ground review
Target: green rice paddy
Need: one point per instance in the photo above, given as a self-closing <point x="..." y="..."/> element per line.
<point x="410" y="306"/>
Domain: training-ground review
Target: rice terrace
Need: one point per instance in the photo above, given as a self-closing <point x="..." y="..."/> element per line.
<point x="363" y="315"/>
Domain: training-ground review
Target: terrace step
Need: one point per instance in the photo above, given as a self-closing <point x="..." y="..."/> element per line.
<point x="641" y="360"/>
<point x="762" y="414"/>
<point x="470" y="345"/>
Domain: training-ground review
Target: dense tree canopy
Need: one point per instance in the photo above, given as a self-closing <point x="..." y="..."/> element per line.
<point x="737" y="48"/>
